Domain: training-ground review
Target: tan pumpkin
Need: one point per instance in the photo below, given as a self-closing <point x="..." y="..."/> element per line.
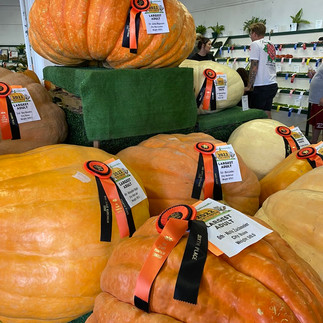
<point x="266" y="282"/>
<point x="51" y="129"/>
<point x="167" y="165"/>
<point x="51" y="256"/>
<point x="260" y="147"/>
<point x="233" y="82"/>
<point x="71" y="32"/>
<point x="296" y="214"/>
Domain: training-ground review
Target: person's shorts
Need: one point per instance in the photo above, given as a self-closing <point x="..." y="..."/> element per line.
<point x="316" y="116"/>
<point x="262" y="97"/>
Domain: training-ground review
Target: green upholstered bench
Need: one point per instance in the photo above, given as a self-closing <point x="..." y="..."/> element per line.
<point x="121" y="108"/>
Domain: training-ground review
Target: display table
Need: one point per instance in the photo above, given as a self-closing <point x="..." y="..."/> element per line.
<point x="121" y="108"/>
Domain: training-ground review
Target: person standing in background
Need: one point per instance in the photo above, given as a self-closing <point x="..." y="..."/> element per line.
<point x="262" y="73"/>
<point x="204" y="48"/>
<point x="316" y="101"/>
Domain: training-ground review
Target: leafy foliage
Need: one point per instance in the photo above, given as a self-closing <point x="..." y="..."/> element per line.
<point x="217" y="29"/>
<point x="298" y="18"/>
<point x="247" y="23"/>
<point x="200" y="29"/>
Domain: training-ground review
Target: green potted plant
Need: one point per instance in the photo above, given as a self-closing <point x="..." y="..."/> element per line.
<point x="216" y="30"/>
<point x="297" y="19"/>
<point x="253" y="20"/>
<point x="200" y="29"/>
<point x="21" y="49"/>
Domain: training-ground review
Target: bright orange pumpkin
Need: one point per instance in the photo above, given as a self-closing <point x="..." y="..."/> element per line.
<point x="51" y="256"/>
<point x="69" y="32"/>
<point x="266" y="282"/>
<point x="51" y="129"/>
<point x="283" y="174"/>
<point x="167" y="165"/>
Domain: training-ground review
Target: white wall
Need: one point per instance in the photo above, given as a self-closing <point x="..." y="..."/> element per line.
<point x="233" y="13"/>
<point x="11" y="32"/>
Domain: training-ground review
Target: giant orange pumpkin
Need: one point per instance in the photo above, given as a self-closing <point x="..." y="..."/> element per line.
<point x="51" y="129"/>
<point x="167" y="165"/>
<point x="266" y="282"/>
<point x="51" y="256"/>
<point x="71" y="32"/>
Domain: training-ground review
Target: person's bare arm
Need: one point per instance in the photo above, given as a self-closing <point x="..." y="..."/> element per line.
<point x="252" y="74"/>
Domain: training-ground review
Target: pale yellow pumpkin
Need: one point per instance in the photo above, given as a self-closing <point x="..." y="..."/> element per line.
<point x="296" y="213"/>
<point x="260" y="147"/>
<point x="234" y="85"/>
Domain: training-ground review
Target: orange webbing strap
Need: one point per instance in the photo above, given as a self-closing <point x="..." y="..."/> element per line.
<point x="286" y="133"/>
<point x="209" y="176"/>
<point x="103" y="173"/>
<point x="167" y="240"/>
<point x="4" y="119"/>
<point x="116" y="204"/>
<point x="210" y="76"/>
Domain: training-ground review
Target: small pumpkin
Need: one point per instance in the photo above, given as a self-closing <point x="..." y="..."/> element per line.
<point x="260" y="147"/>
<point x="266" y="282"/>
<point x="230" y="79"/>
<point x="51" y="129"/>
<point x="296" y="214"/>
<point x="287" y="171"/>
<point x="51" y="256"/>
<point x="167" y="165"/>
<point x="72" y="32"/>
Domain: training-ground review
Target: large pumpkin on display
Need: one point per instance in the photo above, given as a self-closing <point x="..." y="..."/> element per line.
<point x="50" y="129"/>
<point x="225" y="76"/>
<point x="266" y="282"/>
<point x="71" y="32"/>
<point x="289" y="169"/>
<point x="259" y="145"/>
<point x="51" y="256"/>
<point x="167" y="165"/>
<point x="296" y="213"/>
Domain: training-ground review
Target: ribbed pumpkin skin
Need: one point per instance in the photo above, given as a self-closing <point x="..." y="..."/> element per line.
<point x="71" y="32"/>
<point x="167" y="165"/>
<point x="51" y="256"/>
<point x="267" y="282"/>
<point x="258" y="144"/>
<point x="283" y="174"/>
<point x="296" y="213"/>
<point x="51" y="129"/>
<point x="235" y="85"/>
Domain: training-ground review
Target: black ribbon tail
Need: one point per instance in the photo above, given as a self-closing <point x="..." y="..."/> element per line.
<point x="126" y="32"/>
<point x="14" y="126"/>
<point x="199" y="179"/>
<point x="213" y="98"/>
<point x="192" y="266"/>
<point x="200" y="96"/>
<point x="217" y="189"/>
<point x="141" y="304"/>
<point x="137" y="23"/>
<point x="106" y="213"/>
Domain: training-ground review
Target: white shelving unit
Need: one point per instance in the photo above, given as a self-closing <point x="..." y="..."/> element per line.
<point x="297" y="52"/>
